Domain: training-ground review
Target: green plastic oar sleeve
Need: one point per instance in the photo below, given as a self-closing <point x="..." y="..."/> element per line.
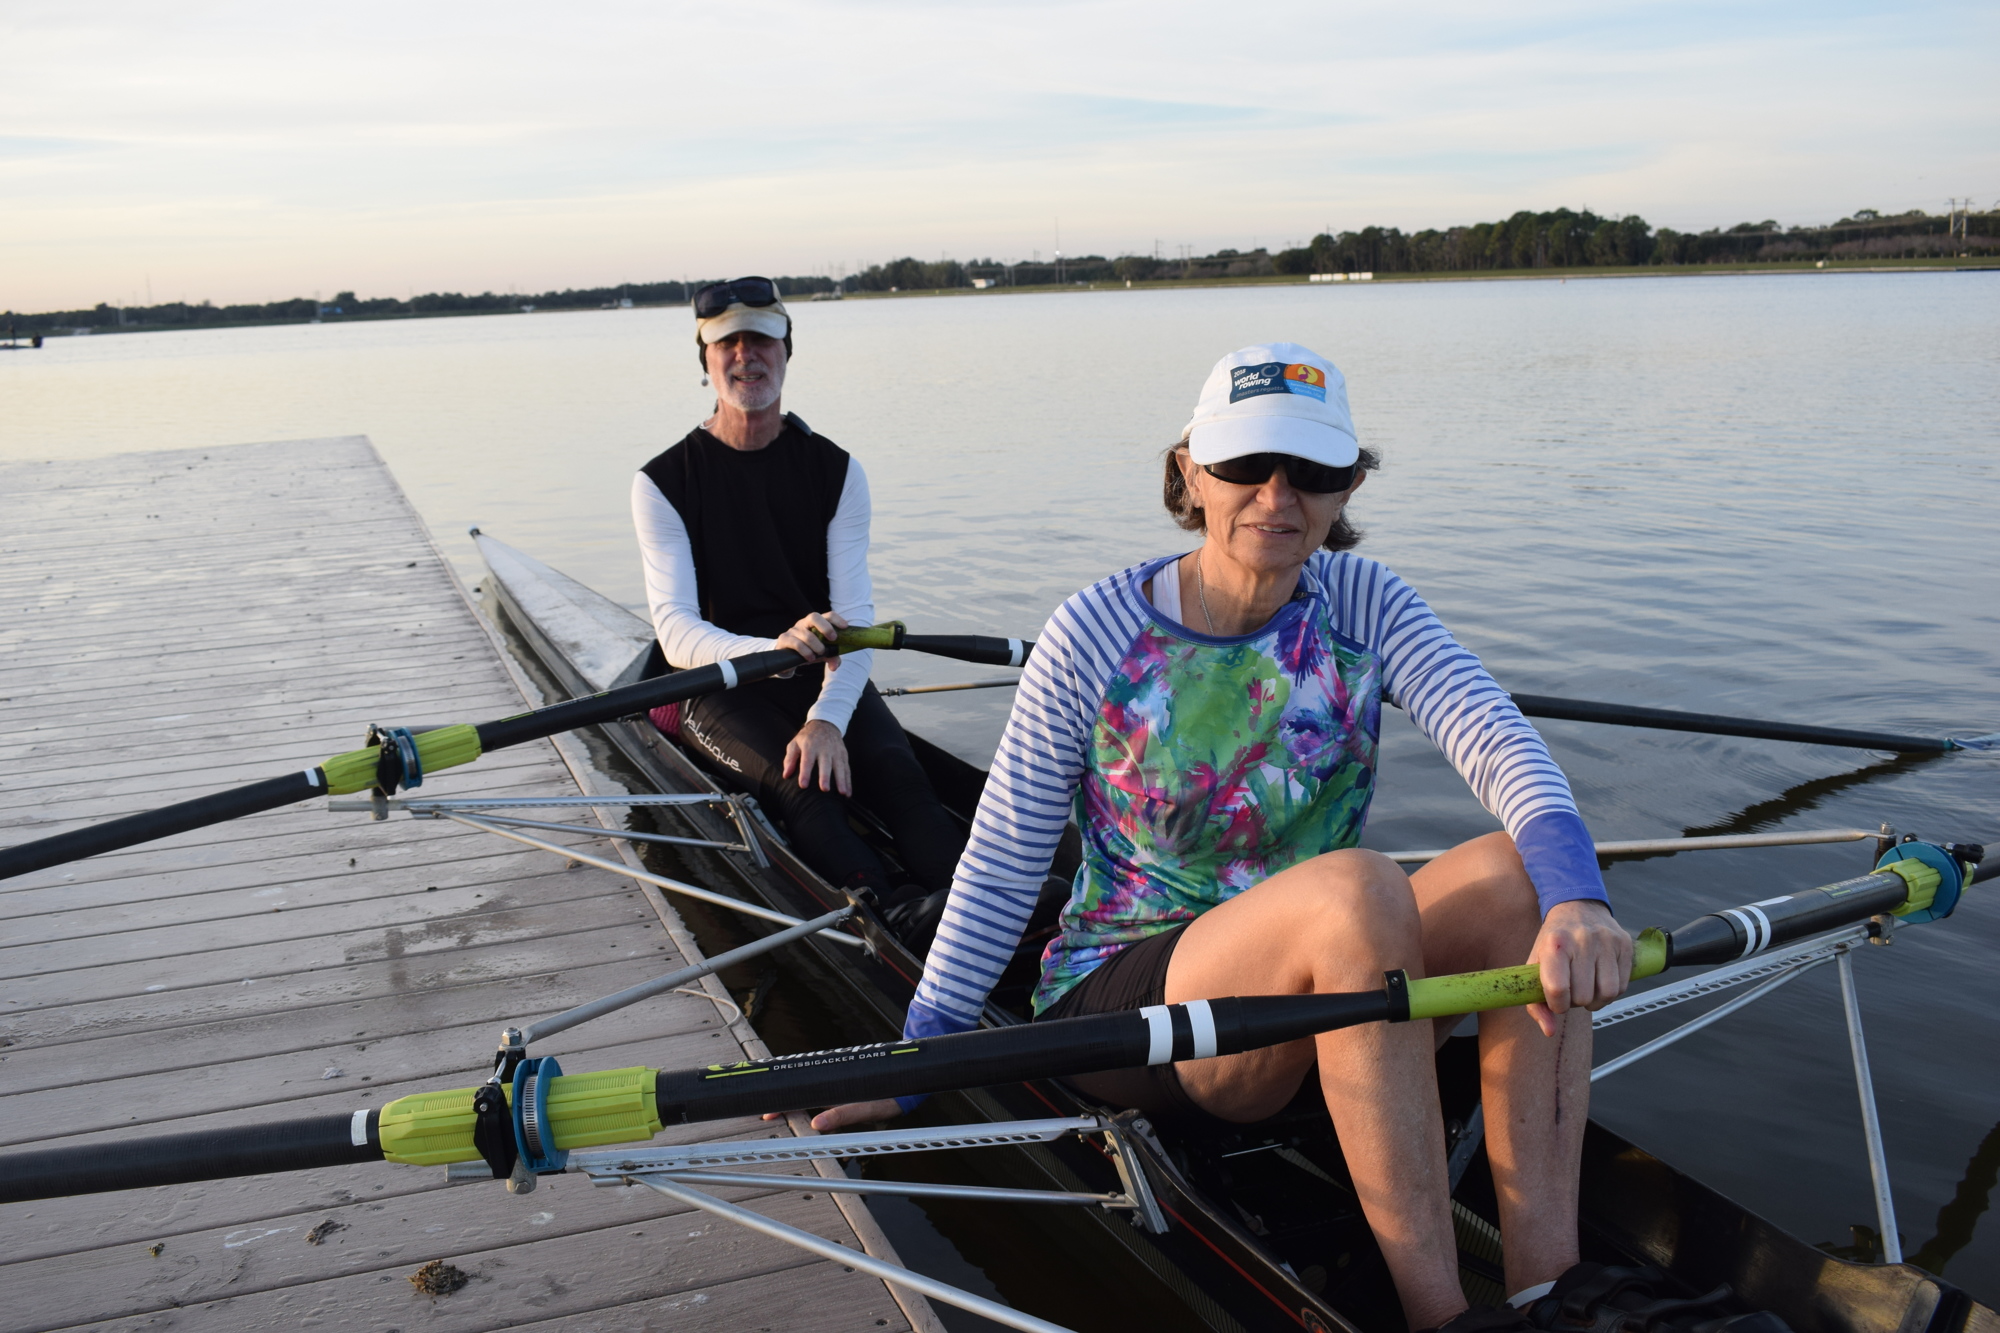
<point x="444" y="747"/>
<point x="585" y="1111"/>
<point x="1504" y="987"/>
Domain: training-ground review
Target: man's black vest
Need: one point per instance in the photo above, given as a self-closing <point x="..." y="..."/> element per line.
<point x="757" y="523"/>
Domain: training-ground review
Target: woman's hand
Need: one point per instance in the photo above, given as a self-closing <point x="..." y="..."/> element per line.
<point x="814" y="637"/>
<point x="1585" y="957"/>
<point x="854" y="1113"/>
<point x="818" y="753"/>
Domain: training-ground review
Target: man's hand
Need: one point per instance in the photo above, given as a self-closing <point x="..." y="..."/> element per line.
<point x="1585" y="957"/>
<point x="818" y="754"/>
<point x="854" y="1113"/>
<point x="813" y="638"/>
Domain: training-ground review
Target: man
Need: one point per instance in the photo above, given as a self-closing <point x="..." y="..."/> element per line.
<point x="754" y="533"/>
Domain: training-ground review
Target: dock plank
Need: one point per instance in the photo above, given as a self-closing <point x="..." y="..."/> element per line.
<point x="182" y="622"/>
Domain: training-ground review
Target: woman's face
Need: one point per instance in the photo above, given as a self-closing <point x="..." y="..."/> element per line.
<point x="1268" y="528"/>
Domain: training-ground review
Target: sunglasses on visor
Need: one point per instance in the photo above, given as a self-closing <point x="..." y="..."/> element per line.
<point x="1304" y="474"/>
<point x="717" y="297"/>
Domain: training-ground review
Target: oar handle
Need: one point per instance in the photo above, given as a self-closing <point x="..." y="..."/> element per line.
<point x="1504" y="987"/>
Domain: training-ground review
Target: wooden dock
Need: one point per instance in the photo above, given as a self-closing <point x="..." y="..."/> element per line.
<point x="180" y="622"/>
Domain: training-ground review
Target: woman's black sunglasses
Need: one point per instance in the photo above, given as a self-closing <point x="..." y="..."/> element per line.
<point x="1304" y="474"/>
<point x="717" y="297"/>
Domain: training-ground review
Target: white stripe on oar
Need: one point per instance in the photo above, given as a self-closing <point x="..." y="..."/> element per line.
<point x="357" y="1128"/>
<point x="1756" y="933"/>
<point x="1159" y="1034"/>
<point x="1202" y="1021"/>
<point x="1015" y="654"/>
<point x="728" y="673"/>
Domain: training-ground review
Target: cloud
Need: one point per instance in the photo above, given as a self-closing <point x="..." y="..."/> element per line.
<point x="246" y="151"/>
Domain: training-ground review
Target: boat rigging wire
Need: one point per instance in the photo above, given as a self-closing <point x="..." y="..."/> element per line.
<point x="827" y="1249"/>
<point x="897" y="691"/>
<point x="1656" y="846"/>
<point x="630" y="872"/>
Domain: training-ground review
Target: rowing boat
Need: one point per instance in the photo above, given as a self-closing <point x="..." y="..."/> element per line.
<point x="1261" y="1229"/>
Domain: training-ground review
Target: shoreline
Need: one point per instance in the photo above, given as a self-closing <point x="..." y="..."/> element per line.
<point x="1168" y="284"/>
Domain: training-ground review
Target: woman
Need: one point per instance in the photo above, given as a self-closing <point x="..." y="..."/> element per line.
<point x="1214" y="717"/>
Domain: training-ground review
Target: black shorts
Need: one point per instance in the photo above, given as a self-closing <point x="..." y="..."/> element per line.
<point x="1133" y="978"/>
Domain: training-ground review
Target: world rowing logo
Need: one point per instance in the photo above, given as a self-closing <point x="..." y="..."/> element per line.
<point x="1276" y="377"/>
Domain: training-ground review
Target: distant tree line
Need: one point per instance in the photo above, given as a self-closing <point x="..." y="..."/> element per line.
<point x="1563" y="238"/>
<point x="346" y="306"/>
<point x="1569" y="239"/>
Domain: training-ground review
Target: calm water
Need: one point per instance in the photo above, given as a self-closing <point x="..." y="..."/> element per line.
<point x="1768" y="496"/>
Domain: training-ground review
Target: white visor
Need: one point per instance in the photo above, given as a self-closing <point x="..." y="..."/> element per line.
<point x="770" y="320"/>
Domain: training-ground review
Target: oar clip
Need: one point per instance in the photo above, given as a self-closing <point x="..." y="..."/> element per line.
<point x="399" y="764"/>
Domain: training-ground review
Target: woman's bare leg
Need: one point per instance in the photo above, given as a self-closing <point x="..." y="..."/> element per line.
<point x="1536" y="1089"/>
<point x="1337" y="923"/>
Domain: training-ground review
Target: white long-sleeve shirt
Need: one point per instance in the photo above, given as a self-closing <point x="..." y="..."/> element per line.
<point x="675" y="601"/>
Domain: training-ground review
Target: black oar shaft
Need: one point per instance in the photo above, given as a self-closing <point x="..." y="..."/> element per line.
<point x="1053" y="1049"/>
<point x="222" y="806"/>
<point x="641" y="697"/>
<point x="1666" y="719"/>
<point x="130" y="830"/>
<point x="338" y="775"/>
<point x="179" y="1159"/>
<point x="971" y="648"/>
<point x="439" y="1127"/>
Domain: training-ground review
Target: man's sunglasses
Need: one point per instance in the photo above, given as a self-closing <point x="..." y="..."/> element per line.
<point x="717" y="297"/>
<point x="1304" y="474"/>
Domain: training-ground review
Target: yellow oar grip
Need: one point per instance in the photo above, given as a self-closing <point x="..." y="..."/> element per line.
<point x="884" y="635"/>
<point x="446" y="747"/>
<point x="1503" y="987"/>
<point x="435" y="1128"/>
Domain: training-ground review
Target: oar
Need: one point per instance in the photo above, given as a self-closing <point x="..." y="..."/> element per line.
<point x="1713" y="724"/>
<point x="402" y="758"/>
<point x="1574" y="710"/>
<point x="897" y="691"/>
<point x="1918" y="881"/>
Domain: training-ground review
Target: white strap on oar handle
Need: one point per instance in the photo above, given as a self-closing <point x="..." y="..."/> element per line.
<point x="1755" y="925"/>
<point x="1016" y="654"/>
<point x="1201" y="1044"/>
<point x="728" y="669"/>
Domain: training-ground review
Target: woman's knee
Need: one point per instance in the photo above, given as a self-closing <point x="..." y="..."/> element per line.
<point x="1357" y="895"/>
<point x="1479" y="905"/>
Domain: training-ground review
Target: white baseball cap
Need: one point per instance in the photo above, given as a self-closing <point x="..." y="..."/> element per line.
<point x="1277" y="398"/>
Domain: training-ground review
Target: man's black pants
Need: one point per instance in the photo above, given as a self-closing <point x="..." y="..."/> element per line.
<point x="745" y="731"/>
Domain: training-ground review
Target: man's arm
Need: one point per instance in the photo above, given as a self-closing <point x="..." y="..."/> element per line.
<point x="853" y="597"/>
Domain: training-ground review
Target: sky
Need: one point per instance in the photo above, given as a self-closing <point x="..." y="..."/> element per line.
<point x="229" y="151"/>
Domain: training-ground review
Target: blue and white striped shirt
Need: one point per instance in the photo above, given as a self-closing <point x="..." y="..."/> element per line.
<point x="1041" y="758"/>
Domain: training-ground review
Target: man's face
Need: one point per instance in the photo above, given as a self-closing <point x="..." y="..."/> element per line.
<point x="748" y="370"/>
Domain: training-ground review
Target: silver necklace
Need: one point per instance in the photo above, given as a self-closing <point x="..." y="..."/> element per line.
<point x="1201" y="591"/>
